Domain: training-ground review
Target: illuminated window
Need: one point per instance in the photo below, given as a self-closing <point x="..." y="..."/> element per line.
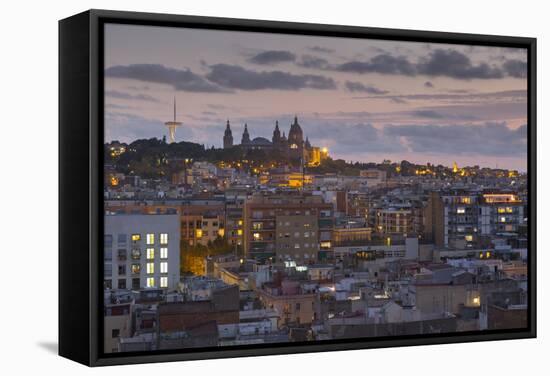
<point x="136" y="268"/>
<point x="460" y="211"/>
<point x="150" y="282"/>
<point x="503" y="219"/>
<point x="150" y="238"/>
<point x="150" y="268"/>
<point x="163" y="282"/>
<point x="257" y="225"/>
<point x="150" y="253"/>
<point x="164" y="267"/>
<point x="509" y="210"/>
<point x="163" y="238"/>
<point x="297" y="245"/>
<point x="501" y="210"/>
<point x="325" y="244"/>
<point x="468" y="238"/>
<point x="240" y="222"/>
<point x="198" y="233"/>
<point x="239" y="232"/>
<point x="164" y="253"/>
<point x="136" y="237"/>
<point x="256" y="236"/>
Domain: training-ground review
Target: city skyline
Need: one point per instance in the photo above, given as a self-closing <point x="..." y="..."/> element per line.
<point x="365" y="100"/>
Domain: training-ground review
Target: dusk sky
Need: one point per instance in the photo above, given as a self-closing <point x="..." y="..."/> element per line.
<point x="366" y="100"/>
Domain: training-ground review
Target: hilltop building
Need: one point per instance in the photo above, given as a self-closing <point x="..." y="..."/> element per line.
<point x="295" y="147"/>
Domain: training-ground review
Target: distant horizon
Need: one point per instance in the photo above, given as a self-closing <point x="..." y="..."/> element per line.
<point x="207" y="147"/>
<point x="362" y="99"/>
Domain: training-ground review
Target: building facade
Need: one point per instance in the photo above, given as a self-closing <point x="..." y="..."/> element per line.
<point x="141" y="251"/>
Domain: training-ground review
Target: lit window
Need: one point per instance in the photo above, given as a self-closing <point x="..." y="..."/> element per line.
<point x="503" y="219"/>
<point x="163" y="282"/>
<point x="199" y="233"/>
<point x="163" y="238"/>
<point x="460" y="211"/>
<point x="164" y="253"/>
<point x="501" y="210"/>
<point x="297" y="245"/>
<point x="468" y="238"/>
<point x="136" y="268"/>
<point x="150" y="282"/>
<point x="150" y="268"/>
<point x="150" y="238"/>
<point x="164" y="267"/>
<point x="136" y="237"/>
<point x="256" y="236"/>
<point x="325" y="244"/>
<point x="239" y="232"/>
<point x="150" y="253"/>
<point x="509" y="210"/>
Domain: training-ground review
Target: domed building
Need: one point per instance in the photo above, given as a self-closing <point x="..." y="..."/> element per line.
<point x="296" y="140"/>
<point x="294" y="146"/>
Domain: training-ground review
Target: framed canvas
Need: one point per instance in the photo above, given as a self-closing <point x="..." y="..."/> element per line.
<point x="236" y="187"/>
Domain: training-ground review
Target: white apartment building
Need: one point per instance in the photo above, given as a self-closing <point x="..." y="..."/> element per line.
<point x="141" y="251"/>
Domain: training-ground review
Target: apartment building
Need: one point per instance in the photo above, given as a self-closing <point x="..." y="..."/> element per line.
<point x="287" y="226"/>
<point x="141" y="251"/>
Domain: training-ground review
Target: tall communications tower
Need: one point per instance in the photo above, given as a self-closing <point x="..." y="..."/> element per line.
<point x="172" y="125"/>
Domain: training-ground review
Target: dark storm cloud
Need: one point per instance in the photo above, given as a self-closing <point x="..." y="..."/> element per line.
<point x="321" y="49"/>
<point x="184" y="80"/>
<point x="495" y="139"/>
<point x="237" y="77"/>
<point x="506" y="95"/>
<point x="308" y="61"/>
<point x="272" y="57"/>
<point x="428" y="114"/>
<point x="432" y="114"/>
<point x="439" y="62"/>
<point x="359" y="87"/>
<point x="516" y="68"/>
<point x="383" y="64"/>
<point x="455" y="64"/>
<point x="124" y="95"/>
<point x="354" y="137"/>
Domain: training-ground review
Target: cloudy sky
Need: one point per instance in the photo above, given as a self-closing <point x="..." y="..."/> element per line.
<point x="366" y="100"/>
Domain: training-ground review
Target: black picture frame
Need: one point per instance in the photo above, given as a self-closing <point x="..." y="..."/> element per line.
<point x="80" y="188"/>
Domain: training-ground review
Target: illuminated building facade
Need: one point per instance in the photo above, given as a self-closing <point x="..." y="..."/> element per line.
<point x="141" y="251"/>
<point x="294" y="146"/>
<point x="461" y="219"/>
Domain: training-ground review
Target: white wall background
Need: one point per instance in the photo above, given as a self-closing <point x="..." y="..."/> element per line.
<point x="28" y="117"/>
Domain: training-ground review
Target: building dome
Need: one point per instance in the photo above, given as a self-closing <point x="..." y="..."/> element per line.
<point x="295" y="135"/>
<point x="261" y="141"/>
